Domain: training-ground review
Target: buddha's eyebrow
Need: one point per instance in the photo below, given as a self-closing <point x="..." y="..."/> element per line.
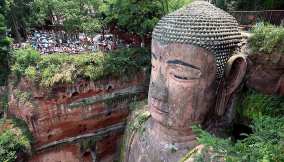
<point x="155" y="57"/>
<point x="182" y="63"/>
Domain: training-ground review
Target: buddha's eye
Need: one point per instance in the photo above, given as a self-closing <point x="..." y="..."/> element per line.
<point x="184" y="74"/>
<point x="180" y="77"/>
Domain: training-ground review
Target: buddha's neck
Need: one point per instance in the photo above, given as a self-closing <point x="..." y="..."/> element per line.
<point x="180" y="137"/>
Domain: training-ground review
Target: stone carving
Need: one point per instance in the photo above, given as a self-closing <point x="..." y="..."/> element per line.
<point x="203" y="25"/>
<point x="189" y="82"/>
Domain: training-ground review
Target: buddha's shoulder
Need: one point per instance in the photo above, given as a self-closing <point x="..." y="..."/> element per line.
<point x="135" y="130"/>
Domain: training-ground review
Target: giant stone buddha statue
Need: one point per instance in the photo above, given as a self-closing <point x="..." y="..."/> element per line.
<point x="194" y="77"/>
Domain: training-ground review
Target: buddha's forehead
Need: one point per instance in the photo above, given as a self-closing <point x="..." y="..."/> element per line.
<point x="186" y="53"/>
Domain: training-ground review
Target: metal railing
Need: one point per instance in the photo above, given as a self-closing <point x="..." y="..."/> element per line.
<point x="275" y="17"/>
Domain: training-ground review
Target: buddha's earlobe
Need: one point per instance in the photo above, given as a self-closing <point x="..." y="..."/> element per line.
<point x="235" y="72"/>
<point x="234" y="75"/>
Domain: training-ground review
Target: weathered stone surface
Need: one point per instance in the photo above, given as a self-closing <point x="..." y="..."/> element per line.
<point x="63" y="154"/>
<point x="104" y="150"/>
<point x="68" y="114"/>
<point x="189" y="84"/>
<point x="3" y="92"/>
<point x="155" y="145"/>
<point x="266" y="73"/>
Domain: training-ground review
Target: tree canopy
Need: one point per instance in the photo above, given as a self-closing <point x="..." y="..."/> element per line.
<point x="88" y="16"/>
<point x="94" y="16"/>
<point x="4" y="52"/>
<point x="249" y="5"/>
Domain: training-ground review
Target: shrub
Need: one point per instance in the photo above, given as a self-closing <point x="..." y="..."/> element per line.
<point x="14" y="141"/>
<point x="267" y="39"/>
<point x="63" y="68"/>
<point x="24" y="58"/>
<point x="254" y="105"/>
<point x="22" y="97"/>
<point x="265" y="144"/>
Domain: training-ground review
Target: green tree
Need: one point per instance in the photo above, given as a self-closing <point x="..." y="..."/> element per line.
<point x="221" y="4"/>
<point x="4" y="52"/>
<point x="249" y="5"/>
<point x="134" y="16"/>
<point x="76" y="15"/>
<point x="273" y="4"/>
<point x="14" y="141"/>
<point x="18" y="14"/>
<point x="172" y="5"/>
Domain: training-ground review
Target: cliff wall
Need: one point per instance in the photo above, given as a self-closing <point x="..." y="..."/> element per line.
<point x="83" y="121"/>
<point x="266" y="73"/>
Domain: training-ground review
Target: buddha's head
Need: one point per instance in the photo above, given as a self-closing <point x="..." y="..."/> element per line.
<point x="190" y="50"/>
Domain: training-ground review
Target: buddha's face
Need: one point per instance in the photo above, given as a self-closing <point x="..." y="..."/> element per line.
<point x="182" y="87"/>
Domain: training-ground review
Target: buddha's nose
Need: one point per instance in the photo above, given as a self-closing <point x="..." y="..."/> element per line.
<point x="158" y="89"/>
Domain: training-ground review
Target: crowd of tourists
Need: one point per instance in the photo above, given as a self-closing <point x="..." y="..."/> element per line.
<point x="47" y="42"/>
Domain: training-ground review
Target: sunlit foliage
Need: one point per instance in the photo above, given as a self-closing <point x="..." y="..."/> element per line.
<point x="15" y="139"/>
<point x="64" y="68"/>
<point x="267" y="39"/>
<point x="264" y="144"/>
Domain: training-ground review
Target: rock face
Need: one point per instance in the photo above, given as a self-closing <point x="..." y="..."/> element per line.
<point x="83" y="121"/>
<point x="266" y="73"/>
<point x="3" y="92"/>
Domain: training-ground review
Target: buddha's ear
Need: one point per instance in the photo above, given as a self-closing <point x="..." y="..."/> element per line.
<point x="235" y="72"/>
<point x="234" y="75"/>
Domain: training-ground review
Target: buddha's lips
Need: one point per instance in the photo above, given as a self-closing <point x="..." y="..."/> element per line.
<point x="158" y="105"/>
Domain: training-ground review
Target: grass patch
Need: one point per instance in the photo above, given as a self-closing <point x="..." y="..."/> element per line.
<point x="267" y="39"/>
<point x="64" y="68"/>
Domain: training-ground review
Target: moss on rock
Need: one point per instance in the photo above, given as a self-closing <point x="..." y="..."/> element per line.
<point x="139" y="115"/>
<point x="49" y="70"/>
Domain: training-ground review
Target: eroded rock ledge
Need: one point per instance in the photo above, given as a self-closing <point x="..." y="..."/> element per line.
<point x="266" y="73"/>
<point x="76" y="122"/>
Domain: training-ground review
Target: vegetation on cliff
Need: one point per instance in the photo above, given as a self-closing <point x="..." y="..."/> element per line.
<point x="267" y="39"/>
<point x="255" y="105"/>
<point x="63" y="68"/>
<point x="136" y="122"/>
<point x="15" y="140"/>
<point x="265" y="143"/>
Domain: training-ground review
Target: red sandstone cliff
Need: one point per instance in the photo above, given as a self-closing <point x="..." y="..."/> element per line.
<point x="83" y="121"/>
<point x="266" y="73"/>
